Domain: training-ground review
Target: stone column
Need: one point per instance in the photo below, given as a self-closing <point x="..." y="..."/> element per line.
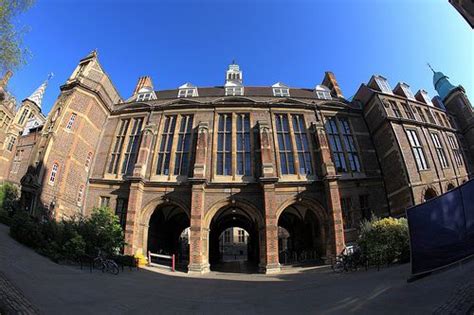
<point x="335" y="243"/>
<point x="144" y="151"/>
<point x="269" y="232"/>
<point x="133" y="225"/>
<point x="198" y="245"/>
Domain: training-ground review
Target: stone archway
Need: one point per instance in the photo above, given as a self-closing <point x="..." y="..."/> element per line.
<point x="234" y="214"/>
<point x="304" y="227"/>
<point x="429" y="193"/>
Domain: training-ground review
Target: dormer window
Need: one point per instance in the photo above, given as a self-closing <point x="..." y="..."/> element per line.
<point x="323" y="92"/>
<point x="426" y="97"/>
<point x="146" y="93"/>
<point x="144" y="97"/>
<point x="234" y="91"/>
<point x="383" y="84"/>
<point x="280" y="90"/>
<point x="406" y="89"/>
<point x="187" y="90"/>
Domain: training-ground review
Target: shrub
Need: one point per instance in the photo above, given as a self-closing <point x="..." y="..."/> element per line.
<point x="26" y="231"/>
<point x="102" y="231"/>
<point x="72" y="238"/>
<point x="8" y="198"/>
<point x="385" y="240"/>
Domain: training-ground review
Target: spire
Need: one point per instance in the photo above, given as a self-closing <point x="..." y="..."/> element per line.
<point x="37" y="95"/>
<point x="441" y="83"/>
<point x="429" y="66"/>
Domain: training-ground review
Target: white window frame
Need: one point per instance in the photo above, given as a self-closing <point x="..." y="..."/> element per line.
<point x="234" y="91"/>
<point x="383" y="84"/>
<point x="281" y="92"/>
<point x="71" y="121"/>
<point x="439" y="150"/>
<point x="187" y="92"/>
<point x="54" y="173"/>
<point x="325" y="95"/>
<point x="417" y="150"/>
<point x="11" y="143"/>
<point x="143" y="97"/>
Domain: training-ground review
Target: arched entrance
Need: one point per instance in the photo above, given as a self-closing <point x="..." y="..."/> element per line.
<point x="168" y="233"/>
<point x="234" y="254"/>
<point x="430" y="193"/>
<point x="301" y="235"/>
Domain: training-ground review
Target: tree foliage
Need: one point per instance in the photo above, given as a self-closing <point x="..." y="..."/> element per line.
<point x="12" y="51"/>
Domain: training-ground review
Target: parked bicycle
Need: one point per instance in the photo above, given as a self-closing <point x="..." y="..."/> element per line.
<point x="106" y="265"/>
<point x="349" y="260"/>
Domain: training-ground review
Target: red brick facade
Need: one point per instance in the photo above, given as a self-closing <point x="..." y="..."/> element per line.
<point x="97" y="149"/>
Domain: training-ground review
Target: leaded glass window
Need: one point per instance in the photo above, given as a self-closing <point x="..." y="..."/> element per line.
<point x="131" y="153"/>
<point x="285" y="147"/>
<point x="183" y="149"/>
<point x="336" y="145"/>
<point x="243" y="145"/>
<point x="439" y="150"/>
<point x="164" y="154"/>
<point x="224" y="144"/>
<point x="417" y="150"/>
<point x="349" y="144"/>
<point x="302" y="144"/>
<point x="118" y="146"/>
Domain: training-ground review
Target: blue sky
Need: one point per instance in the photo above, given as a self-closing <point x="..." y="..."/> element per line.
<point x="289" y="41"/>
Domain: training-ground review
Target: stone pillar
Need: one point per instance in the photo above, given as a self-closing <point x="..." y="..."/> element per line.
<point x="198" y="239"/>
<point x="133" y="225"/>
<point x="144" y="151"/>
<point x="269" y="252"/>
<point x="335" y="243"/>
<point x="269" y="232"/>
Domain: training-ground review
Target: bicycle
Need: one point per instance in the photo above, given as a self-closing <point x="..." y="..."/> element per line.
<point x="106" y="265"/>
<point x="349" y="260"/>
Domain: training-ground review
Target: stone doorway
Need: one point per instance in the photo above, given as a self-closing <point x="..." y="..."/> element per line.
<point x="234" y="241"/>
<point x="168" y="234"/>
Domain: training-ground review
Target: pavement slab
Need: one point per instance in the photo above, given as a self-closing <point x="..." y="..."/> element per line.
<point x="61" y="289"/>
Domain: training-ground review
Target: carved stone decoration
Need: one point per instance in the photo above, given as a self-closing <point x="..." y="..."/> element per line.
<point x="266" y="149"/>
<point x="201" y="150"/>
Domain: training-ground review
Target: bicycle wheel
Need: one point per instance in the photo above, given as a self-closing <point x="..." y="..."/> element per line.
<point x="98" y="264"/>
<point x="338" y="266"/>
<point x="112" y="268"/>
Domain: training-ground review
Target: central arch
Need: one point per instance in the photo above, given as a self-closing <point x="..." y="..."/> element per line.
<point x="239" y="217"/>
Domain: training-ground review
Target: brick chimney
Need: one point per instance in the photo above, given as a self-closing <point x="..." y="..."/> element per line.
<point x="143" y="82"/>
<point x="331" y="82"/>
<point x="6" y="78"/>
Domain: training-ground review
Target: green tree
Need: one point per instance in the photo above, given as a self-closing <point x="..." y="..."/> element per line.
<point x="12" y="52"/>
<point x="102" y="231"/>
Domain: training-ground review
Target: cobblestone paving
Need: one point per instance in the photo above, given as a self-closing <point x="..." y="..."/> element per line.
<point x="460" y="302"/>
<point x="12" y="300"/>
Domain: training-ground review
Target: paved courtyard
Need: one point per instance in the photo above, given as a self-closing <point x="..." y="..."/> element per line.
<point x="57" y="289"/>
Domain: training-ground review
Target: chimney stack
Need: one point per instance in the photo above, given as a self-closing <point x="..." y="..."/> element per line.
<point x="144" y="81"/>
<point x="331" y="82"/>
<point x="6" y="78"/>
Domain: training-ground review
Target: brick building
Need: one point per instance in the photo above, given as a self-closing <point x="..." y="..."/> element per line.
<point x="261" y="159"/>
